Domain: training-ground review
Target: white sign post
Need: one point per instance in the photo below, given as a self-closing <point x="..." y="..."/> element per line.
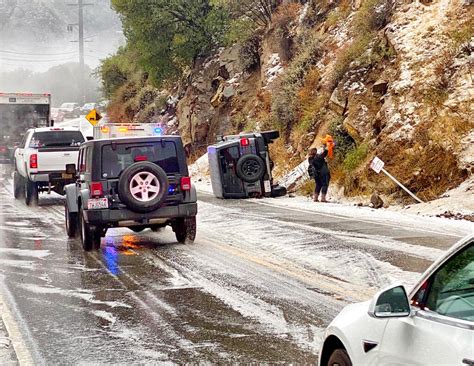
<point x="377" y="166"/>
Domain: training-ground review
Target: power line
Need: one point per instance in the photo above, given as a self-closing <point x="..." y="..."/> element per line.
<point x="38" y="54"/>
<point x="35" y="61"/>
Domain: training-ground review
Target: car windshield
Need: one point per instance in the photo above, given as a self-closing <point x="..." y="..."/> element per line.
<point x="56" y="139"/>
<point x="163" y="153"/>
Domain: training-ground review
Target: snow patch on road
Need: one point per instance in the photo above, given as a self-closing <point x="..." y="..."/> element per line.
<point x="105" y="315"/>
<point x="18" y="264"/>
<point x="85" y="295"/>
<point x="25" y="252"/>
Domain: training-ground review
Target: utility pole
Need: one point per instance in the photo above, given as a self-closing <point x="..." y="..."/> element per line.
<point x="81" y="51"/>
<point x="82" y="77"/>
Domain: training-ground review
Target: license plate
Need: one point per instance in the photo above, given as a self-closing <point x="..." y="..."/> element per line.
<point x="267" y="186"/>
<point x="97" y="203"/>
<point x="66" y="176"/>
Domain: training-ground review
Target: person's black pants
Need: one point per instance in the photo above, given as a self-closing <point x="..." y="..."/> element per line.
<point x="322" y="184"/>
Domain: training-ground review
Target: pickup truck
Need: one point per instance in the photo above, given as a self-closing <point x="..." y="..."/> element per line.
<point x="40" y="161"/>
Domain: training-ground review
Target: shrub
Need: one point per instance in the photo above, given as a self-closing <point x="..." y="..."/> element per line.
<point x="351" y="53"/>
<point x="344" y="142"/>
<point x="249" y="53"/>
<point x="355" y="157"/>
<point x="285" y="102"/>
<point x="285" y="15"/>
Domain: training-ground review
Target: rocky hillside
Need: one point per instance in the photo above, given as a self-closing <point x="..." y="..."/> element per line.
<point x="386" y="78"/>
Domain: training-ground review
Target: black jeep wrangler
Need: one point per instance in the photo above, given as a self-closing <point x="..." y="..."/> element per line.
<point x="137" y="182"/>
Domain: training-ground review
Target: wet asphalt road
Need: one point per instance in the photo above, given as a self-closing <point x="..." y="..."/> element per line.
<point x="259" y="285"/>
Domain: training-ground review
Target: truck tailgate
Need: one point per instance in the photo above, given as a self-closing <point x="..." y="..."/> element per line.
<point x="56" y="159"/>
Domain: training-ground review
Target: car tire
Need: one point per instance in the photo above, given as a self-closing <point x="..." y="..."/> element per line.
<point x="90" y="238"/>
<point x="71" y="221"/>
<point x="136" y="174"/>
<point x="18" y="186"/>
<point x="31" y="193"/>
<point x="339" y="357"/>
<point x="250" y="168"/>
<point x="185" y="229"/>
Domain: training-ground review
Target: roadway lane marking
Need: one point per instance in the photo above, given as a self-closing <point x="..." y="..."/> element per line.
<point x="13" y="328"/>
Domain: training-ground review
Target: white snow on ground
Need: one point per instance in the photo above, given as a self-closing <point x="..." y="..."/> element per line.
<point x="18" y="264"/>
<point x="458" y="200"/>
<point x="381" y="216"/>
<point x="25" y="252"/>
<point x="105" y="315"/>
<point x="85" y="295"/>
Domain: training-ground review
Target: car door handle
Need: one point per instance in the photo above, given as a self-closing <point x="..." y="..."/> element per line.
<point x="468" y="362"/>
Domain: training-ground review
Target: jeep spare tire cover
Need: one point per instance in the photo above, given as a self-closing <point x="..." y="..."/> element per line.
<point x="250" y="168"/>
<point x="143" y="186"/>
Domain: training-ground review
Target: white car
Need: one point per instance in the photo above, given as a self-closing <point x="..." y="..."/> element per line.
<point x="433" y="325"/>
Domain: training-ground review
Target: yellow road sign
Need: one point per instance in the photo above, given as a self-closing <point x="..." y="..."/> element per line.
<point x="93" y="117"/>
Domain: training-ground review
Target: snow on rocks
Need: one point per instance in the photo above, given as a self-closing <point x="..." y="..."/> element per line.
<point x="275" y="68"/>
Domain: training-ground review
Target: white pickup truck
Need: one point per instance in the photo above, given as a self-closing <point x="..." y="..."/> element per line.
<point x="40" y="161"/>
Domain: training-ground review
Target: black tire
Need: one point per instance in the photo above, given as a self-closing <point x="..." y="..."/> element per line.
<point x="250" y="168"/>
<point x="185" y="229"/>
<point x="124" y="186"/>
<point x="71" y="220"/>
<point x="31" y="193"/>
<point x="339" y="357"/>
<point x="90" y="238"/>
<point x="18" y="186"/>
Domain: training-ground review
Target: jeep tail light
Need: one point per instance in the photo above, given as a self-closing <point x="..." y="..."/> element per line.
<point x="34" y="161"/>
<point x="140" y="158"/>
<point x="186" y="183"/>
<point x="96" y="189"/>
<point x="244" y="141"/>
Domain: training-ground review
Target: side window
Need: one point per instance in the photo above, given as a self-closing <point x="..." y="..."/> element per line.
<point x="452" y="287"/>
<point x="82" y="162"/>
<point x="79" y="158"/>
<point x="23" y="141"/>
<point x="88" y="159"/>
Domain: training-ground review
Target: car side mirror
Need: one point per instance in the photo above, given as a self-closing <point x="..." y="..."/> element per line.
<point x="89" y="138"/>
<point x="390" y="303"/>
<point x="52" y="122"/>
<point x="71" y="169"/>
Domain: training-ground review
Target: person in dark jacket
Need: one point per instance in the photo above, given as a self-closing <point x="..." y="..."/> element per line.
<point x="322" y="176"/>
<point x="311" y="154"/>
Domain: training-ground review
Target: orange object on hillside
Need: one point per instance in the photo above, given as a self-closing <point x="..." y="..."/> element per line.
<point x="329" y="142"/>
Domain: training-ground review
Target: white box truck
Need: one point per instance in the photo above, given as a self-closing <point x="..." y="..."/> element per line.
<point x="18" y="113"/>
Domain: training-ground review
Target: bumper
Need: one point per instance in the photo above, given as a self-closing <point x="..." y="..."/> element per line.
<point x="125" y="217"/>
<point x="47" y="177"/>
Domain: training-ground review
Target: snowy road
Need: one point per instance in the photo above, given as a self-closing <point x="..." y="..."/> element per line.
<point x="260" y="284"/>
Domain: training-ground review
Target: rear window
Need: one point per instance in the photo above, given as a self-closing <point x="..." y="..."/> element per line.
<point x="56" y="139"/>
<point x="161" y="153"/>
